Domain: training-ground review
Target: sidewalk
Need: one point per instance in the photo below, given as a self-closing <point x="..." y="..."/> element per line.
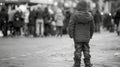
<point x="58" y="52"/>
<point x="103" y="49"/>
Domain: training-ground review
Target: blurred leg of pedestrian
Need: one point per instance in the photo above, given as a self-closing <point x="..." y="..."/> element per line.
<point x="14" y="30"/>
<point x="17" y="31"/>
<point x="47" y="29"/>
<point x="22" y="31"/>
<point x="38" y="27"/>
<point x="59" y="31"/>
<point x="4" y="29"/>
<point x="31" y="30"/>
<point x="118" y="29"/>
<point x="11" y="28"/>
<point x="26" y="29"/>
<point x="98" y="27"/>
<point x="42" y="28"/>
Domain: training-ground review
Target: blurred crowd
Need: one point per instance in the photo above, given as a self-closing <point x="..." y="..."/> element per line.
<point x="42" y="22"/>
<point x="107" y="21"/>
<point x="36" y="22"/>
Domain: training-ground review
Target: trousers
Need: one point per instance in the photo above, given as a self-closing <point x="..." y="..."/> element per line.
<point x="40" y="27"/>
<point x="79" y="48"/>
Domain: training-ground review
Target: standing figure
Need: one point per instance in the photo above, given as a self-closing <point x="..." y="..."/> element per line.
<point x="4" y="21"/>
<point x="117" y="20"/>
<point x="46" y="18"/>
<point x="66" y="21"/>
<point x="32" y="22"/>
<point x="26" y="21"/>
<point x="18" y="22"/>
<point x="39" y="22"/>
<point x="98" y="20"/>
<point x="108" y="21"/>
<point x="59" y="17"/>
<point x="11" y="12"/>
<point x="81" y="28"/>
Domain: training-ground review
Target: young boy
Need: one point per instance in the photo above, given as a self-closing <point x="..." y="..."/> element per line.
<point x="81" y="28"/>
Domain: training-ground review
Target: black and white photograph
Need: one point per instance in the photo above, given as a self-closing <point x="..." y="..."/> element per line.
<point x="59" y="33"/>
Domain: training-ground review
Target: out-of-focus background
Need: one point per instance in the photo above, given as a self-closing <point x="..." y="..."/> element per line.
<point x="34" y="33"/>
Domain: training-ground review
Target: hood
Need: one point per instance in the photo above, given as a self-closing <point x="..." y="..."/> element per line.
<point x="82" y="6"/>
<point x="83" y="17"/>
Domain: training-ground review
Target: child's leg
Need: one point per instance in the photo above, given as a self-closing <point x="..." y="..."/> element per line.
<point x="77" y="54"/>
<point x="87" y="56"/>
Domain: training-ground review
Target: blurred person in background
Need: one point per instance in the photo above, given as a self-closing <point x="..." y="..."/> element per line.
<point x="39" y="22"/>
<point x="97" y="20"/>
<point x="59" y="18"/>
<point x="52" y="22"/>
<point x="117" y="19"/>
<point x="32" y="22"/>
<point x="66" y="21"/>
<point x="26" y="21"/>
<point x="4" y="21"/>
<point x="11" y="13"/>
<point x="46" y="18"/>
<point x="18" y="23"/>
<point x="108" y="22"/>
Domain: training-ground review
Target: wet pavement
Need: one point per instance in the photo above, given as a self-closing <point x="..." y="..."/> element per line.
<point x="58" y="52"/>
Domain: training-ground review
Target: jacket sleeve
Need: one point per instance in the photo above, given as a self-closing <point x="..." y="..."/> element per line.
<point x="71" y="26"/>
<point x="92" y="28"/>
